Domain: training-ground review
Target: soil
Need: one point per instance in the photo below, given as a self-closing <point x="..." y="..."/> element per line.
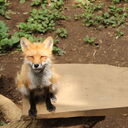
<point x="109" y="51"/>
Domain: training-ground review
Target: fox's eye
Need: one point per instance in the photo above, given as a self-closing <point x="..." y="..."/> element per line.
<point x="31" y="57"/>
<point x="43" y="57"/>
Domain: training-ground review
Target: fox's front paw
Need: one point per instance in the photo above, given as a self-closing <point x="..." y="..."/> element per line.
<point x="54" y="99"/>
<point x="32" y="112"/>
<point x="51" y="108"/>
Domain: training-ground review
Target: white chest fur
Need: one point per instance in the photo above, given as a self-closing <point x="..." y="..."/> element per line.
<point x="41" y="79"/>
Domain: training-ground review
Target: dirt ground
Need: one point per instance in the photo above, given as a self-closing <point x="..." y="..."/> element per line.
<point x="110" y="51"/>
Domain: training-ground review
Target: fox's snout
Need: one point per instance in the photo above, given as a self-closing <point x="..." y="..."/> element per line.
<point x="36" y="65"/>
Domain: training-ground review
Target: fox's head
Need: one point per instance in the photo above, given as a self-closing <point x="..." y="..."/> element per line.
<point x="37" y="55"/>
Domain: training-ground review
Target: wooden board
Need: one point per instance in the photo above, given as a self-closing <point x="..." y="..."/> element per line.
<point x="88" y="90"/>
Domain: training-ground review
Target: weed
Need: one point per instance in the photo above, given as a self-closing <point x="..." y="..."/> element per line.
<point x="89" y="40"/>
<point x="2" y="123"/>
<point x="41" y="20"/>
<point x="3" y="30"/>
<point x="22" y="1"/>
<point x="3" y="8"/>
<point x="118" y="34"/>
<point x="58" y="4"/>
<point x="62" y="32"/>
<point x="56" y="41"/>
<point x="118" y="1"/>
<point x="58" y="51"/>
<point x="113" y="16"/>
<point x="8" y="42"/>
<point x="30" y="37"/>
<point x="36" y="2"/>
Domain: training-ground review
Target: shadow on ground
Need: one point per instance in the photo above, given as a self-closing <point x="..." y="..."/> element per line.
<point x="81" y="122"/>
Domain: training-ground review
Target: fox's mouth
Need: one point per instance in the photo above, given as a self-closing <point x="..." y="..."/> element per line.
<point x="38" y="70"/>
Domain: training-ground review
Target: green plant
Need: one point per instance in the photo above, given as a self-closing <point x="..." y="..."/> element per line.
<point x="58" y="4"/>
<point x="94" y="15"/>
<point x="36" y="2"/>
<point x="56" y="41"/>
<point x="22" y="1"/>
<point x="3" y="7"/>
<point x="8" y="42"/>
<point x="58" y="51"/>
<point x="62" y="32"/>
<point x="118" y="1"/>
<point x="89" y="40"/>
<point x="2" y="123"/>
<point x="30" y="37"/>
<point x="41" y="20"/>
<point x="118" y="34"/>
<point x="89" y="14"/>
<point x="3" y="30"/>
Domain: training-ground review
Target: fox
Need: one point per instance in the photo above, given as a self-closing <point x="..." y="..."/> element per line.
<point x="37" y="79"/>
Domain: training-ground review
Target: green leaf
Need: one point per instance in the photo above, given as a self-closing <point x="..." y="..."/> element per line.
<point x="22" y="1"/>
<point x="89" y="40"/>
<point x="62" y="32"/>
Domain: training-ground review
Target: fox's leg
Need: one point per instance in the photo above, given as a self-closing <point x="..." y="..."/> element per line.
<point x="52" y="89"/>
<point x="52" y="92"/>
<point x="52" y="96"/>
<point x="49" y="105"/>
<point x="32" y="101"/>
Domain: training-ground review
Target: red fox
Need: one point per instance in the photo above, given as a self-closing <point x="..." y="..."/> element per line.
<point x="37" y="80"/>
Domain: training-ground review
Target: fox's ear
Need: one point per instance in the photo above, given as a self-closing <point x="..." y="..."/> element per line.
<point x="48" y="43"/>
<point x="24" y="43"/>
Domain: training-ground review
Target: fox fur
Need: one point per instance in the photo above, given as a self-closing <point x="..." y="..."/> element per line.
<point x="37" y="76"/>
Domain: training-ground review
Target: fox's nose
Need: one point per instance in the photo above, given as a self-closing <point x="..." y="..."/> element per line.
<point x="36" y="65"/>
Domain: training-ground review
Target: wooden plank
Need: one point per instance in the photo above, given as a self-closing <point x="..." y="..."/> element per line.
<point x="88" y="90"/>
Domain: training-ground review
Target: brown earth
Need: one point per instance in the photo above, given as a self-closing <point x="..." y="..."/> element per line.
<point x="109" y="51"/>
